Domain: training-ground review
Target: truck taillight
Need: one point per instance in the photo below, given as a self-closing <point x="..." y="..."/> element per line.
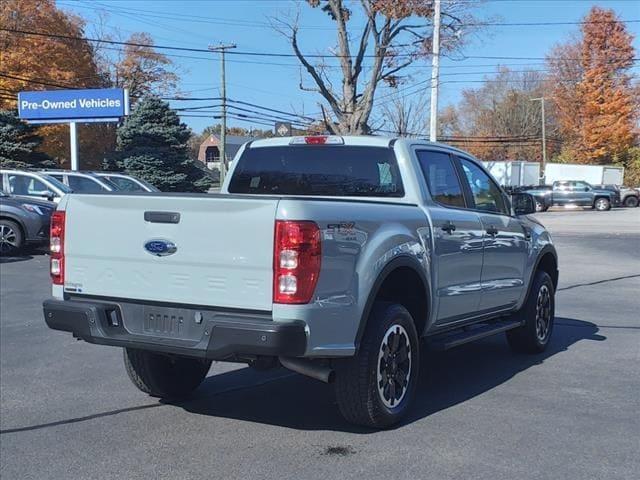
<point x="296" y="261"/>
<point x="57" y="247"/>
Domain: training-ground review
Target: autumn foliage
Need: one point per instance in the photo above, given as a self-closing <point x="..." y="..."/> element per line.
<point x="43" y="62"/>
<point x="597" y="106"/>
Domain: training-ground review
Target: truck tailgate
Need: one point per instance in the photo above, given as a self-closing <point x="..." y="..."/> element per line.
<point x="223" y="258"/>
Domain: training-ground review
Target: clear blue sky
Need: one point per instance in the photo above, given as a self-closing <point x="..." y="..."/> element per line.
<point x="274" y="82"/>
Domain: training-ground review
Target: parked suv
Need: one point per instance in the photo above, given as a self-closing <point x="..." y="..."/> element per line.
<point x="23" y="221"/>
<point x="32" y="184"/>
<point x="335" y="257"/>
<point x="127" y="183"/>
<point x="82" y="182"/>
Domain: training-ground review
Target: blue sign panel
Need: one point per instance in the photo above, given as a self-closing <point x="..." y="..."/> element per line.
<point x="59" y="106"/>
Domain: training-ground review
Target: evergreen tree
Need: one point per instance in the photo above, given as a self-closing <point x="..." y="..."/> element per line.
<point x="152" y="145"/>
<point x="18" y="144"/>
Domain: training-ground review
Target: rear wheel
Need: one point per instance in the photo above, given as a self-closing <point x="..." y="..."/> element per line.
<point x="164" y="376"/>
<point x="375" y="388"/>
<point x="538" y="312"/>
<point x="631" y="201"/>
<point x="11" y="238"/>
<point x="602" y="204"/>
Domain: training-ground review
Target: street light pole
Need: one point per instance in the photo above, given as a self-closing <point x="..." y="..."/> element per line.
<point x="223" y="130"/>
<point x="544" y="137"/>
<point x="435" y="70"/>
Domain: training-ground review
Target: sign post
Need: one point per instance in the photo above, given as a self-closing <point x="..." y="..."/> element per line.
<point x="72" y="106"/>
<point x="74" y="145"/>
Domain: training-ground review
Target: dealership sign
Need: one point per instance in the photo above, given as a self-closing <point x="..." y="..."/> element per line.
<point x="62" y="106"/>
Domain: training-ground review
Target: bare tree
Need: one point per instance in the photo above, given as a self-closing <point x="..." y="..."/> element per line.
<point x="395" y="34"/>
<point x="405" y="115"/>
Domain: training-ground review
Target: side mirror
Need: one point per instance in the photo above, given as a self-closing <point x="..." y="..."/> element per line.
<point x="523" y="204"/>
<point x="49" y="195"/>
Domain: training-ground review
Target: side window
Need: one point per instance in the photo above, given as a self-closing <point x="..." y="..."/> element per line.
<point x="486" y="194"/>
<point x="441" y="178"/>
<point x="83" y="185"/>
<point x="25" y="185"/>
<point x="126" y="184"/>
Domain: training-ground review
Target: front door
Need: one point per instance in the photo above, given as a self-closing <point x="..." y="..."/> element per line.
<point x="458" y="237"/>
<point x="506" y="244"/>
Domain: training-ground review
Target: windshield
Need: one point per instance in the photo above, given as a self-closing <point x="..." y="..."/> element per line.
<point x="327" y="170"/>
<point x="57" y="183"/>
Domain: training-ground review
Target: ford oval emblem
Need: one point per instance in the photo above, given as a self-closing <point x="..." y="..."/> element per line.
<point x="160" y="248"/>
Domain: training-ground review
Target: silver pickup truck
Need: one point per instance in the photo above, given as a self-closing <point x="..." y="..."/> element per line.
<point x="340" y="258"/>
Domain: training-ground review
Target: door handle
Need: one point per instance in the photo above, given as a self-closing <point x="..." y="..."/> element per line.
<point x="448" y="227"/>
<point x="492" y="230"/>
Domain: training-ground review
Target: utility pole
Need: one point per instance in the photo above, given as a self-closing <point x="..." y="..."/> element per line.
<point x="544" y="137"/>
<point x="435" y="71"/>
<point x="223" y="130"/>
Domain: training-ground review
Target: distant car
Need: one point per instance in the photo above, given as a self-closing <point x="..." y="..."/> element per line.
<point x="127" y="183"/>
<point x="629" y="197"/>
<point x="574" y="193"/>
<point x="82" y="182"/>
<point x="32" y="184"/>
<point x="23" y="221"/>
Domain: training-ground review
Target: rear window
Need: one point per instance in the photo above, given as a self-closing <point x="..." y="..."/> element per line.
<point x="327" y="170"/>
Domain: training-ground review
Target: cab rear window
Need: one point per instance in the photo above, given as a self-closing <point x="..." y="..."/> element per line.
<point x="324" y="170"/>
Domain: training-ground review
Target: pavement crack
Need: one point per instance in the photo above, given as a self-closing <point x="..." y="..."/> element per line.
<point x="80" y="419"/>
<point x="598" y="282"/>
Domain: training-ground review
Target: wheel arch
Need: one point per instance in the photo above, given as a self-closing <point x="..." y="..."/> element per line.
<point x="403" y="280"/>
<point x="547" y="261"/>
<point x="16" y="220"/>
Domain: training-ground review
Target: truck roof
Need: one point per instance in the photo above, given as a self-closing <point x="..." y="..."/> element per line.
<point x="354" y="140"/>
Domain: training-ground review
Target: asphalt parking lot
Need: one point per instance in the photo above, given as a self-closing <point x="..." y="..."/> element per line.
<point x="68" y="410"/>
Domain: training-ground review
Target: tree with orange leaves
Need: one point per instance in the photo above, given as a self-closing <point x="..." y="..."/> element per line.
<point x="596" y="103"/>
<point x="33" y="62"/>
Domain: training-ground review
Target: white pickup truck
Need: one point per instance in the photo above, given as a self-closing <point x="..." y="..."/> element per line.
<point x="335" y="257"/>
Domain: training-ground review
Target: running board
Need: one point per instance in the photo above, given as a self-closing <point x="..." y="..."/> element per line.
<point x="473" y="333"/>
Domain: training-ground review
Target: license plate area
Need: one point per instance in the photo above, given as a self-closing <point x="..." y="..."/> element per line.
<point x="167" y="322"/>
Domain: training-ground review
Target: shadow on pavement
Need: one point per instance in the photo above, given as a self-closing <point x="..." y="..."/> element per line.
<point x="26" y="254"/>
<point x="290" y="400"/>
<point x="447" y="379"/>
<point x="14" y="259"/>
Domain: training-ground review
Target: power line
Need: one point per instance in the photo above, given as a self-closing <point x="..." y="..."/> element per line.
<point x="252" y="24"/>
<point x="257" y="54"/>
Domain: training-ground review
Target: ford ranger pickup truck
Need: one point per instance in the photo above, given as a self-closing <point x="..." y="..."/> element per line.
<point x="339" y="258"/>
<point x="574" y="193"/>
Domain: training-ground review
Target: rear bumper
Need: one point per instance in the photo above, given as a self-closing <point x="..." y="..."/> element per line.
<point x="218" y="335"/>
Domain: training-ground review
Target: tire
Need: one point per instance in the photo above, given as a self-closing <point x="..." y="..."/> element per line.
<point x="11" y="238"/>
<point x="602" y="204"/>
<point x="364" y="395"/>
<point x="631" y="201"/>
<point x="538" y="312"/>
<point x="164" y="376"/>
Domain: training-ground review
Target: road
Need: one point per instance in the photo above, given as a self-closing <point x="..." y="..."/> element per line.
<point x="67" y="409"/>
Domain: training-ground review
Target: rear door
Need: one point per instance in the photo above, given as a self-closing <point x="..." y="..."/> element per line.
<point x="223" y="248"/>
<point x="458" y="239"/>
<point x="505" y="240"/>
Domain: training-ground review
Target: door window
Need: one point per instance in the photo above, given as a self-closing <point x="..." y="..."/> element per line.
<point x="84" y="185"/>
<point x="487" y="196"/>
<point x="25" y="185"/>
<point x="126" y="184"/>
<point x="441" y="178"/>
